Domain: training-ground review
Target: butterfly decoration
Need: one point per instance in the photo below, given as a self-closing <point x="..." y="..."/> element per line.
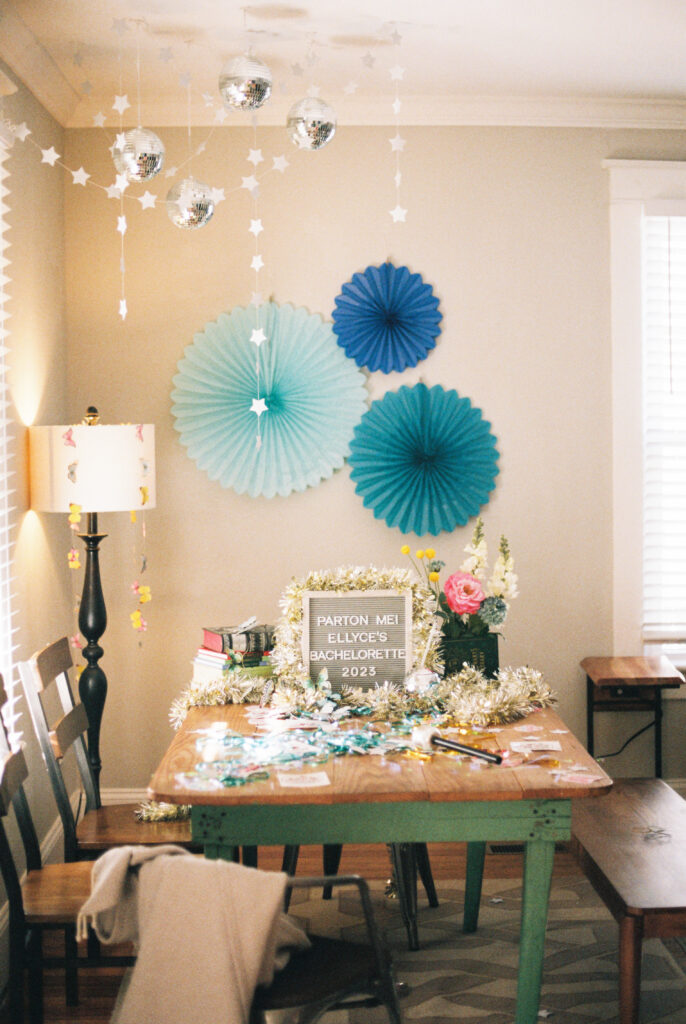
<point x="68" y="438"/>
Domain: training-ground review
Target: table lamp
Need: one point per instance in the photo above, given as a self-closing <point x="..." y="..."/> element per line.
<point x="101" y="469"/>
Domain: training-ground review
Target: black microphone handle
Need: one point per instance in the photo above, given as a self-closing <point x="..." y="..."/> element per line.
<point x="461" y="748"/>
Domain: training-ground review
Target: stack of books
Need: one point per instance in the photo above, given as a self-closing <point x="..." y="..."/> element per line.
<point x="224" y="648"/>
<point x="248" y="638"/>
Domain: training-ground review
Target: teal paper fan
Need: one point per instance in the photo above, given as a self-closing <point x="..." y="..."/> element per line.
<point x="423" y="459"/>
<point x="314" y="397"/>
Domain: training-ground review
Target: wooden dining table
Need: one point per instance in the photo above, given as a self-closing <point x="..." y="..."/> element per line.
<point x="403" y="799"/>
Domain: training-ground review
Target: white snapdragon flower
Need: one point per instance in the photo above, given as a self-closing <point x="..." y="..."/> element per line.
<point x="503" y="582"/>
<point x="476" y="561"/>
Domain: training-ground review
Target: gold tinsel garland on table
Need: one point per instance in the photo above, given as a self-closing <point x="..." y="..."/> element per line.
<point x="467" y="696"/>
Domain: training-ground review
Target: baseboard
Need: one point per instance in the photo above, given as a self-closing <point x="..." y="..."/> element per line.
<point x="123" y="796"/>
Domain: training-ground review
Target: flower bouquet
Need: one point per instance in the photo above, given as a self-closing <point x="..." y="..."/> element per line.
<point x="471" y="608"/>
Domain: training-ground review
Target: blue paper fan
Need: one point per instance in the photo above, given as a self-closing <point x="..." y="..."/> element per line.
<point x="423" y="459"/>
<point x="386" y="318"/>
<point x="314" y="397"/>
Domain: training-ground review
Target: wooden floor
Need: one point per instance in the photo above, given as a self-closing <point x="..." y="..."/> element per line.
<point x="98" y="988"/>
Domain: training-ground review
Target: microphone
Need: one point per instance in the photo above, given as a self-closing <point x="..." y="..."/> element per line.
<point x="425" y="736"/>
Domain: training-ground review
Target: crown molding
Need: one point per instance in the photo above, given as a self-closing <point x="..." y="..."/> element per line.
<point x="427" y="111"/>
<point x="34" y="66"/>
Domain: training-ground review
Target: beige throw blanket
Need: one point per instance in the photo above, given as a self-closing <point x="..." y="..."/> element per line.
<point x="206" y="932"/>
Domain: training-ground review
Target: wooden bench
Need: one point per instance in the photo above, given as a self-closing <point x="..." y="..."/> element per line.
<point x="631" y="843"/>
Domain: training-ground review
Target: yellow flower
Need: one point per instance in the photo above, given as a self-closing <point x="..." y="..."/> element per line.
<point x="430" y="553"/>
<point x="405" y="549"/>
<point x="73" y="557"/>
<point x="74" y="513"/>
<point x="136" y="619"/>
<point x="420" y="553"/>
<point x="434" y="577"/>
<point x="144" y="594"/>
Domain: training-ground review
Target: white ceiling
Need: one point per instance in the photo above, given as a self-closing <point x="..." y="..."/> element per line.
<point x="596" y="62"/>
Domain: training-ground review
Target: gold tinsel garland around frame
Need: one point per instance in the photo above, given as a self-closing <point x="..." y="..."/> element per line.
<point x="468" y="696"/>
<point x="287" y="654"/>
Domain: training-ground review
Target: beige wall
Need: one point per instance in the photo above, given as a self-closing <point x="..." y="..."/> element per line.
<point x="510" y="226"/>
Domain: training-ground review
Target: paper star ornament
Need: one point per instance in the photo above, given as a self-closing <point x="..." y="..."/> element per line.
<point x="50" y="156"/>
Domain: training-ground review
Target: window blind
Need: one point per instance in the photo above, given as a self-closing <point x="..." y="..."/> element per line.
<point x="664" y="429"/>
<point x="7" y="628"/>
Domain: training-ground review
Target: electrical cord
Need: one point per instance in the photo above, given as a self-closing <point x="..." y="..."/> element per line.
<point x="602" y="757"/>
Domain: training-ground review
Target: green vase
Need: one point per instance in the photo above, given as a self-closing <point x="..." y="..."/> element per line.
<point x="479" y="651"/>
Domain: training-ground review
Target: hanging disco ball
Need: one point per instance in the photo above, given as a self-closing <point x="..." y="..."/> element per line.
<point x="140" y="154"/>
<point x="190" y="203"/>
<point x="245" y="83"/>
<point x="311" y="123"/>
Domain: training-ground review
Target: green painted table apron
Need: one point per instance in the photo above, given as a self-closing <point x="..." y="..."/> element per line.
<point x="538" y="824"/>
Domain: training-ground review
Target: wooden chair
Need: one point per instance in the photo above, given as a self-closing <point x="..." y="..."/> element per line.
<point x="332" y="972"/>
<point x="48" y="898"/>
<point x="101" y="827"/>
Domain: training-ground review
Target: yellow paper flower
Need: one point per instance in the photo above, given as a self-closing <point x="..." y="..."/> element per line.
<point x="74" y="513"/>
<point x="73" y="557"/>
<point x="144" y="495"/>
<point x="132" y="513"/>
<point x="144" y="594"/>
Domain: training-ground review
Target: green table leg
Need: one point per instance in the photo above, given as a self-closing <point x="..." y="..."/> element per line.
<point x="476" y="854"/>
<point x="538" y="870"/>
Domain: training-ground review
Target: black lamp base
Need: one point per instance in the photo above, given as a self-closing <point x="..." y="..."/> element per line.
<point x="92" y="623"/>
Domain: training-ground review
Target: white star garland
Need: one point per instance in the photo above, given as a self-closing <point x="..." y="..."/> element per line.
<point x="397" y="74"/>
<point x="118" y="190"/>
<point x="257" y="336"/>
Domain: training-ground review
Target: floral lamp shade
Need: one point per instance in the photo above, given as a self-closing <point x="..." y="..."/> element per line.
<point x="101" y="467"/>
<point x="424" y="459"/>
<point x="387" y="318"/>
<point x="312" y="397"/>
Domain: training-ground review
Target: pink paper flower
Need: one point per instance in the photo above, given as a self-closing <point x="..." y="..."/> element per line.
<point x="463" y="593"/>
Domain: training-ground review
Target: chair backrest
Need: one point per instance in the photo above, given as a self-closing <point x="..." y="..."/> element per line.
<point x="49" y="666"/>
<point x="13" y="773"/>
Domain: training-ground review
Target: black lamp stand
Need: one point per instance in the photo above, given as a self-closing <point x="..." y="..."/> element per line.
<point x="92" y="623"/>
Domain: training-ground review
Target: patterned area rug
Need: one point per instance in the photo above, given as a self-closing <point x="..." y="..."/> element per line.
<point x="473" y="978"/>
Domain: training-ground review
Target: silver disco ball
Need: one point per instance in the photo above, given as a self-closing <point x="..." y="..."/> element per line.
<point x="140" y="154"/>
<point x="245" y="83"/>
<point x="311" y="123"/>
<point x="190" y="203"/>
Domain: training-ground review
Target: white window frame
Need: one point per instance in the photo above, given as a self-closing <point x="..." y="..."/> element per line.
<point x="634" y="185"/>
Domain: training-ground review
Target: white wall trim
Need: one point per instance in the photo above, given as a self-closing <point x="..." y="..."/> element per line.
<point x="633" y="184"/>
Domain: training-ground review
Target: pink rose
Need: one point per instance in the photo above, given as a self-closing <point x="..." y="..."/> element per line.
<point x="463" y="593"/>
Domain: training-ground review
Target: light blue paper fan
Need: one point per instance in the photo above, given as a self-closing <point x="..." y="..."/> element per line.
<point x="386" y="318"/>
<point x="423" y="459"/>
<point x="315" y="396"/>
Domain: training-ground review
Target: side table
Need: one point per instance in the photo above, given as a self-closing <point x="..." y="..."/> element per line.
<point x="629" y="684"/>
